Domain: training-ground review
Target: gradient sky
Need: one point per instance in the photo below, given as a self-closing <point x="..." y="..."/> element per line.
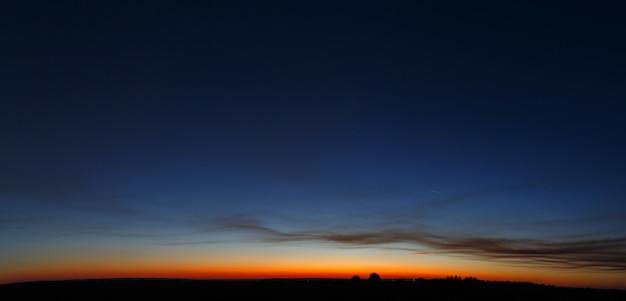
<point x="253" y="139"/>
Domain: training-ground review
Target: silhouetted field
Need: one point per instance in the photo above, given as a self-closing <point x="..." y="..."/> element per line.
<point x="297" y="289"/>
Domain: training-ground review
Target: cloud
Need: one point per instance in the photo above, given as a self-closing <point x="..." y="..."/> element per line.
<point x="607" y="254"/>
<point x="60" y="190"/>
<point x="486" y="191"/>
<point x="7" y="222"/>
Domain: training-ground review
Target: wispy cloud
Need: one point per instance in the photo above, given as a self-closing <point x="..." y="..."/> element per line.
<point x="448" y="200"/>
<point x="61" y="191"/>
<point x="607" y="254"/>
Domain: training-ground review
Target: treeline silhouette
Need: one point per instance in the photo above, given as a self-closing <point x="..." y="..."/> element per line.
<point x="374" y="288"/>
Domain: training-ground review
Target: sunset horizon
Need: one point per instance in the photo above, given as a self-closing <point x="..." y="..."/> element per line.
<point x="314" y="139"/>
<point x="332" y="276"/>
<point x="191" y="270"/>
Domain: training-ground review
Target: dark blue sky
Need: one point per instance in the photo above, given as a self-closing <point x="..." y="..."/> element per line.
<point x="489" y="120"/>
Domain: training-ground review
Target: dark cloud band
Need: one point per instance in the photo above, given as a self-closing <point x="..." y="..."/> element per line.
<point x="599" y="254"/>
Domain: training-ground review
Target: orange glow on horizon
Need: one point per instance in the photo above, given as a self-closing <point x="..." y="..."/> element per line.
<point x="251" y="273"/>
<point x="333" y="264"/>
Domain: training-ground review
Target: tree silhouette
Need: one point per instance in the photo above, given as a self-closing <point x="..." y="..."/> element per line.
<point x="355" y="278"/>
<point x="374" y="278"/>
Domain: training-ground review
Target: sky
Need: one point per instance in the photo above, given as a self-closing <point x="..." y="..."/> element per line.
<point x="264" y="139"/>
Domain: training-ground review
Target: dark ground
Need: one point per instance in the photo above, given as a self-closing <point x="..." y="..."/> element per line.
<point x="297" y="289"/>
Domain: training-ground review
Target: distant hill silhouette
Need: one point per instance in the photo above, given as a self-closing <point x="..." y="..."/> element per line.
<point x="451" y="288"/>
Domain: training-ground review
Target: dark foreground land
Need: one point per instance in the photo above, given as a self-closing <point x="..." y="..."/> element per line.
<point x="297" y="289"/>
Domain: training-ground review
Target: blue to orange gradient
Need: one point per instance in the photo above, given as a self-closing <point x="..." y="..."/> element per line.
<point x="221" y="140"/>
<point x="287" y="263"/>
